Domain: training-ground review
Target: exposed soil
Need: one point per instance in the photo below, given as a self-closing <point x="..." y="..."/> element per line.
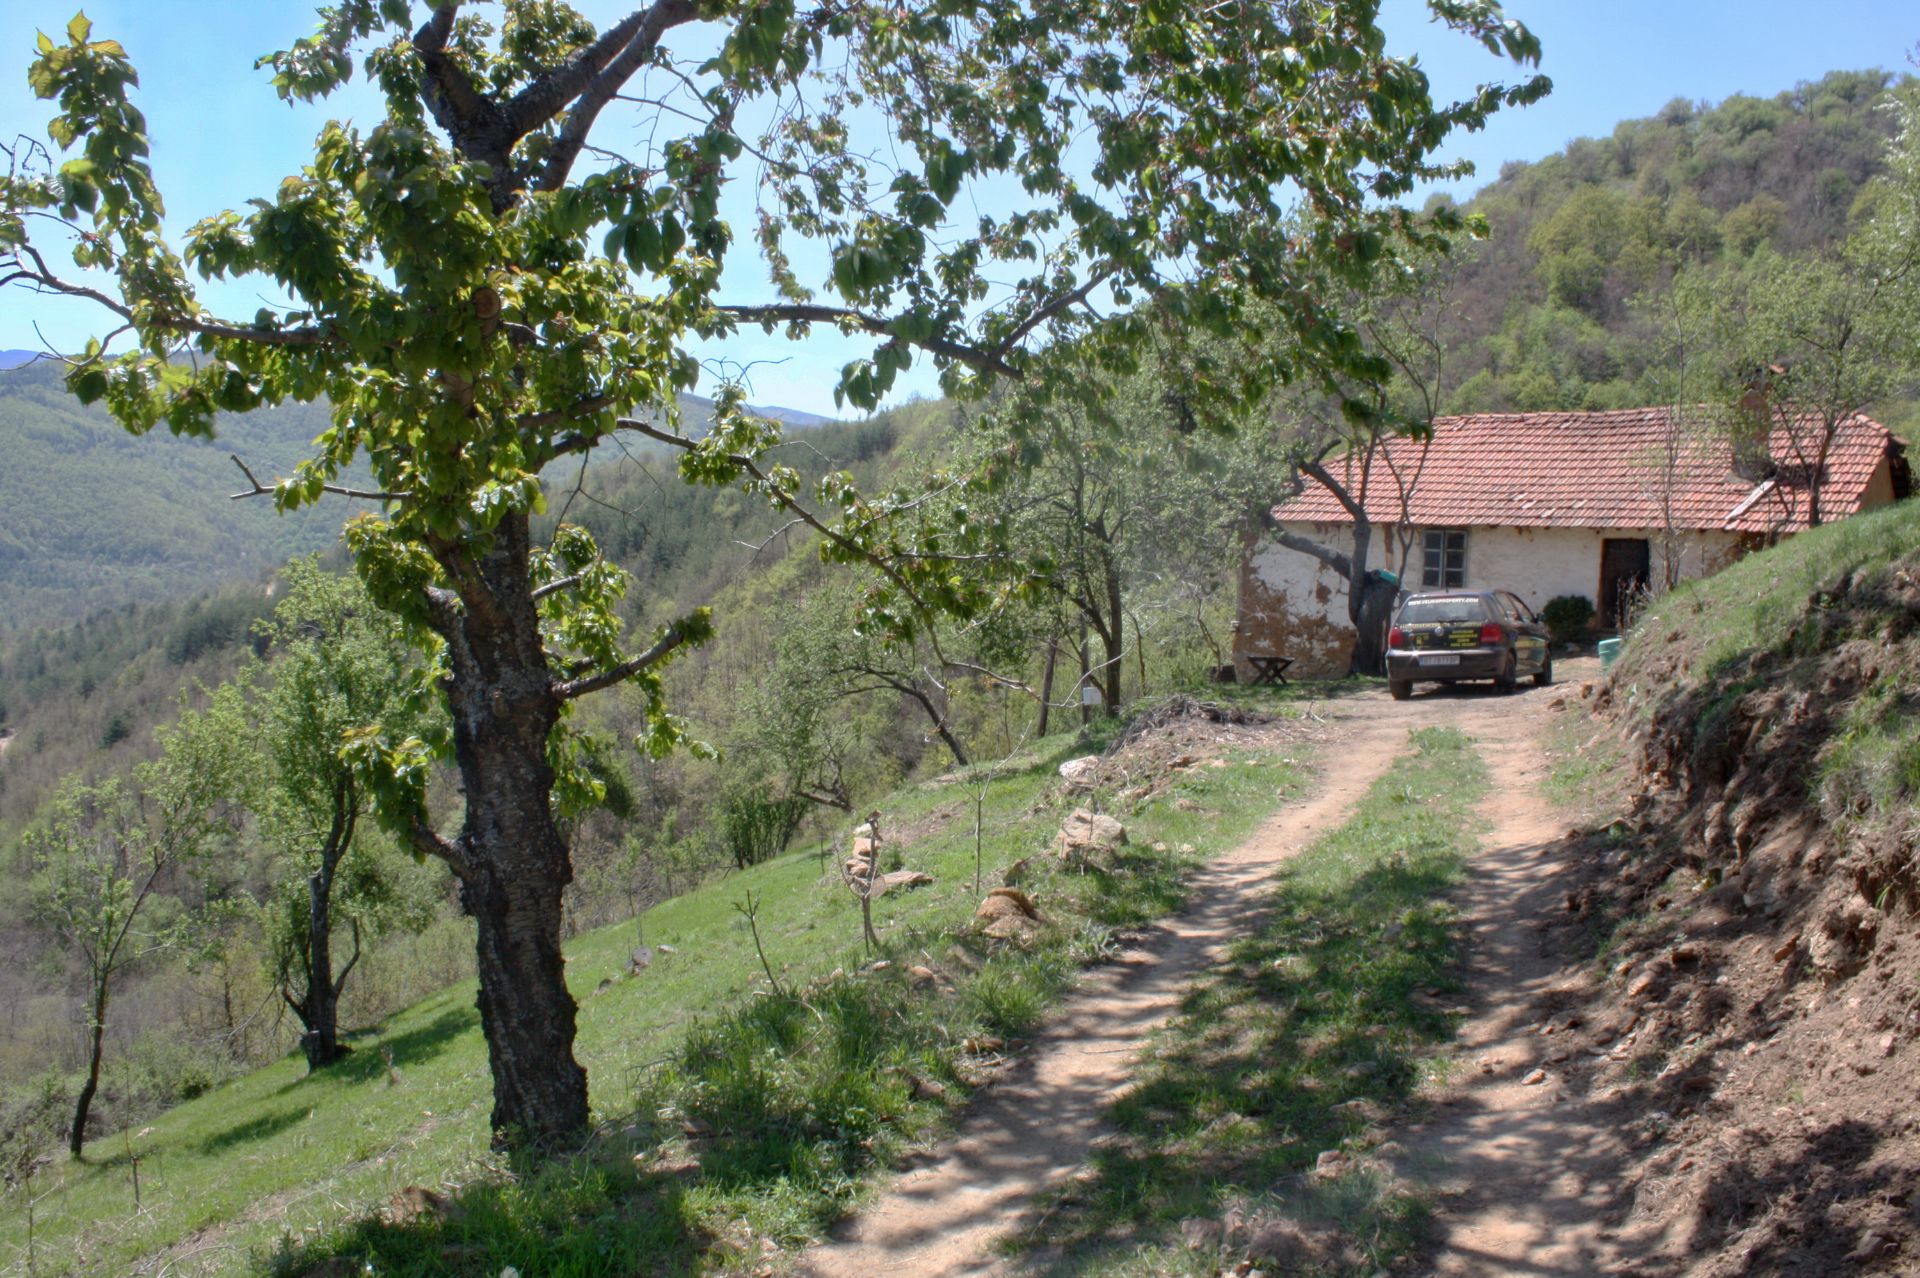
<point x="1035" y="1125"/>
<point x="1688" y="1048"/>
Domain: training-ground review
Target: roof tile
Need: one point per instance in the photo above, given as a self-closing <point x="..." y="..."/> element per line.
<point x="1632" y="468"/>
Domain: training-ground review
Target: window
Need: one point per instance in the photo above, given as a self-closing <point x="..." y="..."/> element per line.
<point x="1443" y="559"/>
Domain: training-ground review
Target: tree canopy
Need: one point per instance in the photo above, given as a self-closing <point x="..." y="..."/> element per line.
<point x="483" y="283"/>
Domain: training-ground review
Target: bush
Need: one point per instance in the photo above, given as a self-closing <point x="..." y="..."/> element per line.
<point x="1568" y="616"/>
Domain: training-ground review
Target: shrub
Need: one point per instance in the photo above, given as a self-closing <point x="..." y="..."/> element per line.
<point x="1568" y="616"/>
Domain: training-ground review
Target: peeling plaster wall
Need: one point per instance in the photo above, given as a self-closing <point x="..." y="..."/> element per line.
<point x="1292" y="605"/>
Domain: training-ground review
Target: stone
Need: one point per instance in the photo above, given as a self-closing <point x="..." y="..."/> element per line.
<point x="863" y="847"/>
<point x="1007" y="914"/>
<point x="900" y="881"/>
<point x="1016" y="873"/>
<point x="1081" y="771"/>
<point x="1086" y="834"/>
<point x="920" y="974"/>
<point x="417" y="1203"/>
<point x="1332" y="1164"/>
<point x="1534" y="1078"/>
<point x="1202" y="1235"/>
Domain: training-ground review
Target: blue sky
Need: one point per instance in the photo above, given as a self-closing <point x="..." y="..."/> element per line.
<point x="220" y="136"/>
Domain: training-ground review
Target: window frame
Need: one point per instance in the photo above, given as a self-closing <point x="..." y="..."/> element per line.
<point x="1435" y="575"/>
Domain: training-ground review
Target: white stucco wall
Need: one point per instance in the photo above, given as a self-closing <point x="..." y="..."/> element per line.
<point x="1293" y="605"/>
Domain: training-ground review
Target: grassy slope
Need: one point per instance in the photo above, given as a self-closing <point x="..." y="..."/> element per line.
<point x="1313" y="1024"/>
<point x="223" y="1178"/>
<point x="1770" y="618"/>
<point x="1757" y="602"/>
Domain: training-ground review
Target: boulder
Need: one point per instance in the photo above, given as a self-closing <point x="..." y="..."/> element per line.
<point x="1081" y="771"/>
<point x="1086" y="834"/>
<point x="900" y="880"/>
<point x="1007" y="913"/>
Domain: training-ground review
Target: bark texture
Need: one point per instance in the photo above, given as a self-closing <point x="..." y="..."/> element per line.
<point x="511" y="857"/>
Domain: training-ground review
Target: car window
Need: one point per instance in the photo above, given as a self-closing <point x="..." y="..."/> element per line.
<point x="1522" y="611"/>
<point x="1431" y="610"/>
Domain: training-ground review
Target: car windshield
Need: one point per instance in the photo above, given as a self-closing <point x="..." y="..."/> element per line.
<point x="1427" y="612"/>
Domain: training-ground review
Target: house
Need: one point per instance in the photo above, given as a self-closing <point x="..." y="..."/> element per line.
<point x="1548" y="504"/>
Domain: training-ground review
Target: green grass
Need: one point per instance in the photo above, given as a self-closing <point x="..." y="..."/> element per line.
<point x="1259" y="1073"/>
<point x="1759" y="603"/>
<point x="1774" y="621"/>
<point x="803" y="1091"/>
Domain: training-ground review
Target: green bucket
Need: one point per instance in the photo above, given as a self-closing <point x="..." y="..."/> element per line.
<point x="1609" y="652"/>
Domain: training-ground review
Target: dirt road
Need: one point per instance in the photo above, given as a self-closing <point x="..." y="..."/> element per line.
<point x="1035" y="1128"/>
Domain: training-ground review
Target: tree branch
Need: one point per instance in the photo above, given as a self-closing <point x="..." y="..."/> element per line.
<point x="649" y="25"/>
<point x="812" y="313"/>
<point x="572" y="688"/>
<point x="1331" y="558"/>
<point x="261" y="490"/>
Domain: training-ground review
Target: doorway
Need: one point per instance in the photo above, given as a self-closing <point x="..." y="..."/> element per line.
<point x="1625" y="564"/>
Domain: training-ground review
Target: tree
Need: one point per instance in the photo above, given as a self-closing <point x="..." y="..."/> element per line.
<point x="340" y="667"/>
<point x="1345" y="441"/>
<point x="476" y="302"/>
<point x="1806" y="343"/>
<point x="105" y="851"/>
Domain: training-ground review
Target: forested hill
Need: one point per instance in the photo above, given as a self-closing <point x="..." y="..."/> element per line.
<point x="92" y="518"/>
<point x="1543" y="314"/>
<point x="1547" y="313"/>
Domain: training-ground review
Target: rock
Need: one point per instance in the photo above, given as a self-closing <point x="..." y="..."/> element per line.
<point x="919" y="974"/>
<point x="1645" y="985"/>
<point x="1281" y="1244"/>
<point x="1086" y="834"/>
<point x="1081" y="771"/>
<point x="1199" y="1234"/>
<point x="418" y="1203"/>
<point x="863" y="831"/>
<point x="640" y="960"/>
<point x="926" y="1088"/>
<point x="863" y="847"/>
<point x="1332" y="1164"/>
<point x="900" y="880"/>
<point x="1007" y="914"/>
<point x="1534" y="1079"/>
<point x="1843" y="941"/>
<point x="1787" y="948"/>
<point x="1016" y="873"/>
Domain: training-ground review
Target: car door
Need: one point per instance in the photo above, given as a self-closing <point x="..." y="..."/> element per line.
<point x="1529" y="634"/>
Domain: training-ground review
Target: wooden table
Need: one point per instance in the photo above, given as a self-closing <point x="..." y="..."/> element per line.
<point x="1268" y="669"/>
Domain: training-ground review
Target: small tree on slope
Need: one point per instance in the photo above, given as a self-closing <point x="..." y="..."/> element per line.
<point x="476" y="303"/>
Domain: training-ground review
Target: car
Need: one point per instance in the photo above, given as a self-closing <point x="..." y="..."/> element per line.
<point x="1445" y="636"/>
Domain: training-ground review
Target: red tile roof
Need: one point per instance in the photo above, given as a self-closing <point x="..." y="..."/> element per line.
<point x="1594" y="470"/>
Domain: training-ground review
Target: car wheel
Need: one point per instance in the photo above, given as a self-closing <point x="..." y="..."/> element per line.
<point x="1400" y="689"/>
<point x="1543" y="678"/>
<point x="1508" y="679"/>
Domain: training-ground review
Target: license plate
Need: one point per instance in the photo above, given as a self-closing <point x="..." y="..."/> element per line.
<point x="1440" y="659"/>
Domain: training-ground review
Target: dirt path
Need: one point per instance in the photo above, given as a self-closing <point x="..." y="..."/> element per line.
<point x="1523" y="1181"/>
<point x="1525" y="1177"/>
<point x="1035" y="1126"/>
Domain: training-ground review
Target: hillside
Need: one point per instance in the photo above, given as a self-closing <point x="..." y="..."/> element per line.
<point x="1543" y="315"/>
<point x="738" y="1099"/>
<point x="1753" y="903"/>
<point x="96" y="518"/>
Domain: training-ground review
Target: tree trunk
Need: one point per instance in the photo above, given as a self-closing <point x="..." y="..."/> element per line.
<point x="77" y="1137"/>
<point x="319" y="1008"/>
<point x="1046" y="684"/>
<point x="1375" y="614"/>
<point x="1113" y="636"/>
<point x="511" y="857"/>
